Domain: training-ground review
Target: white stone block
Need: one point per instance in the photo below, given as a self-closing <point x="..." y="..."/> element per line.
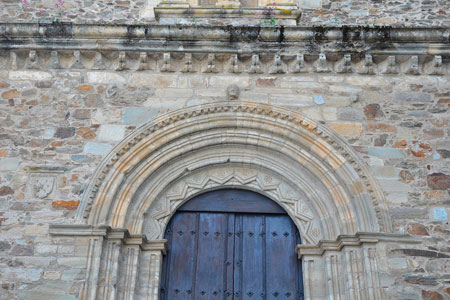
<point x="111" y="133"/>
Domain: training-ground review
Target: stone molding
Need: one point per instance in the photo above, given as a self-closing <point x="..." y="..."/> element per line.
<point x="262" y="63"/>
<point x="358" y="239"/>
<point x="248" y="177"/>
<point x="106" y="191"/>
<point x="348" y="267"/>
<point x="52" y="31"/>
<point x="277" y="50"/>
<point x="82" y="230"/>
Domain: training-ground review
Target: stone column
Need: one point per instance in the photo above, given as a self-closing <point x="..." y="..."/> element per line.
<point x="347" y="268"/>
<point x="150" y="269"/>
<point x="110" y="264"/>
<point x="96" y="236"/>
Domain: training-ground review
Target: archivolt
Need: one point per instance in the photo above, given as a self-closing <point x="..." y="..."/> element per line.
<point x="319" y="167"/>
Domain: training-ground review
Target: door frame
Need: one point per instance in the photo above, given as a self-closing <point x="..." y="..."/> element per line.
<point x="236" y="205"/>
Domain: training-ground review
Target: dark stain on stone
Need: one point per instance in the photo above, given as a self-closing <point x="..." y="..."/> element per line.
<point x="243" y="33"/>
<point x="281" y="35"/>
<point x="423" y="253"/>
<point x="58" y="29"/>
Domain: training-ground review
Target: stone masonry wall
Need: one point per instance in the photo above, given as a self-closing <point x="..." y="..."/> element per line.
<point x="57" y="125"/>
<point x="420" y="13"/>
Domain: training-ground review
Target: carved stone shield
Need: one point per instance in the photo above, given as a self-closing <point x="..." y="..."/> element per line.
<point x="43" y="186"/>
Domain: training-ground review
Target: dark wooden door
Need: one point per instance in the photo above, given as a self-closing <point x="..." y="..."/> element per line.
<point x="231" y="255"/>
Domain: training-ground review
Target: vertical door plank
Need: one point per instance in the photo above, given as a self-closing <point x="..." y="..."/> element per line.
<point x="252" y="257"/>
<point x="237" y="257"/>
<point x="281" y="261"/>
<point x="229" y="262"/>
<point x="212" y="240"/>
<point x="181" y="257"/>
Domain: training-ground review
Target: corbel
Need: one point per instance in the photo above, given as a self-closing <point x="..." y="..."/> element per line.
<point x="435" y="66"/>
<point x="211" y="68"/>
<point x="54" y="60"/>
<point x="345" y="65"/>
<point x="255" y="66"/>
<point x="32" y="61"/>
<point x="322" y="64"/>
<point x="390" y="66"/>
<point x="143" y="62"/>
<point x="188" y="63"/>
<point x="166" y="67"/>
<point x="122" y="61"/>
<point x="367" y="65"/>
<point x="77" y="64"/>
<point x="412" y="66"/>
<point x="300" y="66"/>
<point x="234" y="64"/>
<point x="99" y="63"/>
<point x="13" y="61"/>
<point x="277" y="65"/>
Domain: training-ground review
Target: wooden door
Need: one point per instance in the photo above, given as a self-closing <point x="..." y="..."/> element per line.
<point x="231" y="255"/>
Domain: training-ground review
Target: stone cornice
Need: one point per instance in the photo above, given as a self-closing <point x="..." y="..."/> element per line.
<point x="220" y="39"/>
<point x="226" y="49"/>
<point x="356" y="240"/>
<point x="120" y="234"/>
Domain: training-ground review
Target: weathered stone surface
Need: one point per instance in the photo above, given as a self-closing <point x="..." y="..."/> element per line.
<point x="444" y="153"/>
<point x="373" y="111"/>
<point x="421" y="279"/>
<point x="416" y="229"/>
<point x="64" y="132"/>
<point x="105" y="77"/>
<point x="431" y="295"/>
<point x="11" y="94"/>
<point x="383" y="152"/>
<point x="347" y="129"/>
<point x="71" y="205"/>
<point x="9" y="164"/>
<point x="424" y="253"/>
<point x="440" y="214"/>
<point x="6" y="190"/>
<point x="154" y="80"/>
<point x="350" y="114"/>
<point x="419" y="97"/>
<point x="438" y="181"/>
<point x="110" y="132"/>
<point x="82" y="114"/>
<point x="138" y="116"/>
<point x="22" y="250"/>
<point x="97" y="148"/>
<point x="408" y="213"/>
<point x="398" y="263"/>
<point x="4" y="246"/>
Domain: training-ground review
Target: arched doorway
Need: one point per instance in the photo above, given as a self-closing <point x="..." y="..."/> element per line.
<point x="303" y="166"/>
<point x="231" y="244"/>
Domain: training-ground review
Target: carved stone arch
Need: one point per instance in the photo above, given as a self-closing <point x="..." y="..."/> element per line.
<point x="287" y="135"/>
<point x="305" y="167"/>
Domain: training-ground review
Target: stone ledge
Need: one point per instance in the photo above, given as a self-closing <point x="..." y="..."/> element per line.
<point x="216" y="33"/>
<point x="357" y="240"/>
<point x="80" y="230"/>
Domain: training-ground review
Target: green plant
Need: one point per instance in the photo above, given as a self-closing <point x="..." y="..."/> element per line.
<point x="269" y="15"/>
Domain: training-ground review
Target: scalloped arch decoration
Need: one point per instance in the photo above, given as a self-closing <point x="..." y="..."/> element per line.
<point x="322" y="170"/>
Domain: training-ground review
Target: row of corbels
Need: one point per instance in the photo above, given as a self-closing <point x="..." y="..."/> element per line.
<point x="234" y="63"/>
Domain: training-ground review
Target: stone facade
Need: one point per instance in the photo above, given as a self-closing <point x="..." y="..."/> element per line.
<point x="105" y="130"/>
<point x="315" y="12"/>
